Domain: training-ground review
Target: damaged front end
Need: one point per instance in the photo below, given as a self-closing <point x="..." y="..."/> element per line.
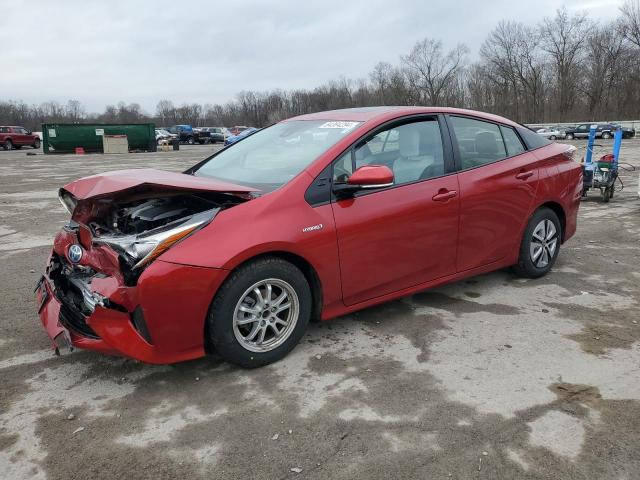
<point x="104" y="287"/>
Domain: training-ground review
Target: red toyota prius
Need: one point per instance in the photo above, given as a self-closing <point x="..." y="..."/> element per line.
<point x="314" y="217"/>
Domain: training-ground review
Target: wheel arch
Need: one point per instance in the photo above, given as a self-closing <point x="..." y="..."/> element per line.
<point x="305" y="267"/>
<point x="559" y="211"/>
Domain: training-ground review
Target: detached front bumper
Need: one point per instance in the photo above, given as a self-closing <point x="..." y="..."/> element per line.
<point x="160" y="319"/>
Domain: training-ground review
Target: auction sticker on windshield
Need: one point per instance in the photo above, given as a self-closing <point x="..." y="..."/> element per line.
<point x="342" y="125"/>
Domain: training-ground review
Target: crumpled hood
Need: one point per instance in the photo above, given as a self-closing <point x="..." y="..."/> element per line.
<point x="120" y="180"/>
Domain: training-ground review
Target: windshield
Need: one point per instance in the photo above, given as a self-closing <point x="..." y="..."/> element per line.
<point x="271" y="157"/>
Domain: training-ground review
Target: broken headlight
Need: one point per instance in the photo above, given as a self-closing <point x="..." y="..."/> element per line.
<point x="145" y="247"/>
<point x="67" y="200"/>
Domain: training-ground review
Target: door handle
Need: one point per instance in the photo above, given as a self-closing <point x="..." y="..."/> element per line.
<point x="524" y="175"/>
<point x="443" y="195"/>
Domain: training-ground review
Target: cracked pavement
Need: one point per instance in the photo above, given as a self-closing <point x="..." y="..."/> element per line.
<point x="490" y="377"/>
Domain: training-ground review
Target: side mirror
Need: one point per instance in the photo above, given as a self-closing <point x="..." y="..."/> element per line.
<point x="366" y="177"/>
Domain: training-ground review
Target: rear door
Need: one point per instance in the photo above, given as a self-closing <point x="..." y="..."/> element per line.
<point x="25" y="137"/>
<point x="498" y="181"/>
<point x="400" y="236"/>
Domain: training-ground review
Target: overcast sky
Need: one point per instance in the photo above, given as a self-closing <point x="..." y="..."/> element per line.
<point x="101" y="52"/>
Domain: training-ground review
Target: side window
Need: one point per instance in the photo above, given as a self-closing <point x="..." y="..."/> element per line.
<point x="512" y="141"/>
<point x="342" y="168"/>
<point x="413" y="151"/>
<point x="479" y="142"/>
<point x="385" y="141"/>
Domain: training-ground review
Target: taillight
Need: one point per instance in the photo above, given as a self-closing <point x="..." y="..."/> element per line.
<point x="570" y="152"/>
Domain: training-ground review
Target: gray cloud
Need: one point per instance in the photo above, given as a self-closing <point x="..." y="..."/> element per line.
<point x="206" y="52"/>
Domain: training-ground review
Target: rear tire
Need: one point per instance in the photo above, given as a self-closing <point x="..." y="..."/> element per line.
<point x="8" y="145"/>
<point x="606" y="135"/>
<point x="570" y="136"/>
<point x="552" y="137"/>
<point x="190" y="141"/>
<point x="36" y="143"/>
<point x="237" y="312"/>
<point x="540" y="244"/>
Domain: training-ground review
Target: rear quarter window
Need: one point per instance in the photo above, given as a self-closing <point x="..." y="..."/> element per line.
<point x="512" y="141"/>
<point x="532" y="140"/>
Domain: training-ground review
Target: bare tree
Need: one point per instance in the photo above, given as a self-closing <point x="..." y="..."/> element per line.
<point x="515" y="65"/>
<point x="563" y="38"/>
<point x="433" y="72"/>
<point x="605" y="53"/>
<point x="630" y="21"/>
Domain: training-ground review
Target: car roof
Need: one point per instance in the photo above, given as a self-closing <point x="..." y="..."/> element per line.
<point x="365" y="114"/>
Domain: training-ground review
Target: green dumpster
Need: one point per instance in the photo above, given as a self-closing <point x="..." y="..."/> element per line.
<point x="66" y="137"/>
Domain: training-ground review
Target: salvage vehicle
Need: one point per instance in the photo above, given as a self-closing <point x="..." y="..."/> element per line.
<point x="216" y="134"/>
<point x="244" y="133"/>
<point x="18" y="137"/>
<point x="237" y="129"/>
<point x="551" y="133"/>
<point x="162" y="134"/>
<point x="314" y="217"/>
<point x="189" y="135"/>
<point x="603" y="130"/>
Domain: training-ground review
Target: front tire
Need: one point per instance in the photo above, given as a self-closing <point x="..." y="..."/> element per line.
<point x="260" y="313"/>
<point x="606" y="135"/>
<point x="570" y="136"/>
<point x="540" y="244"/>
<point x="190" y="141"/>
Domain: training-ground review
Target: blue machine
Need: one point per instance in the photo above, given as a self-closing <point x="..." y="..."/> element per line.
<point x="603" y="172"/>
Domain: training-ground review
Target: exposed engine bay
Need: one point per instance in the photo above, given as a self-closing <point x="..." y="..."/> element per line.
<point x="140" y="224"/>
<point x="144" y="215"/>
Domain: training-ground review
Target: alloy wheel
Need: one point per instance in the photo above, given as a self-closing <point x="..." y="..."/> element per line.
<point x="266" y="315"/>
<point x="544" y="242"/>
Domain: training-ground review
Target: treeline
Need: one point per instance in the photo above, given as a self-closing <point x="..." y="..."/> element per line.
<point x="567" y="68"/>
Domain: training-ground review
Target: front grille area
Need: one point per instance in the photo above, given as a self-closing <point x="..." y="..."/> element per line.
<point x="73" y="310"/>
<point x="75" y="321"/>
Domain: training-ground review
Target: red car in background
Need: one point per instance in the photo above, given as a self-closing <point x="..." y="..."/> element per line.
<point x="17" y="137"/>
<point x="314" y="217"/>
<point x="237" y="129"/>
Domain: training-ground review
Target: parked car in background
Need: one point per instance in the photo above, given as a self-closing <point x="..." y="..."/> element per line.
<point x="216" y="134"/>
<point x="603" y="130"/>
<point x="551" y="133"/>
<point x="162" y="134"/>
<point x="311" y="218"/>
<point x="627" y="132"/>
<point x="244" y="133"/>
<point x="188" y="134"/>
<point x="18" y="137"/>
<point x="237" y="129"/>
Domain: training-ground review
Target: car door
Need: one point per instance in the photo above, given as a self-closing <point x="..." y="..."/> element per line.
<point x="25" y="137"/>
<point x="400" y="236"/>
<point x="498" y="180"/>
<point x="582" y="131"/>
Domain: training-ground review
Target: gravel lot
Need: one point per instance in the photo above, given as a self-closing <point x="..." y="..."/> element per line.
<point x="492" y="377"/>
